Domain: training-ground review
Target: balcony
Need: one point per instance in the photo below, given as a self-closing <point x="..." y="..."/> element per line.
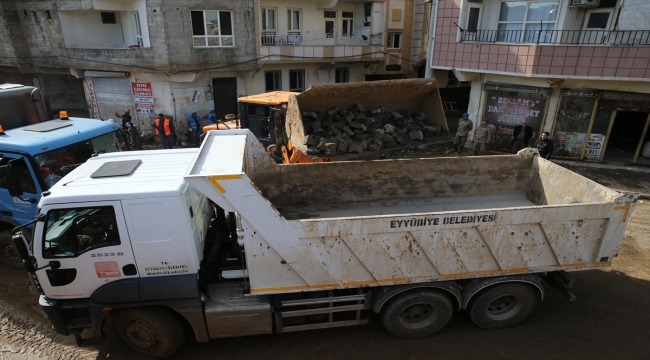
<point x="558" y="37"/>
<point x="321" y="39"/>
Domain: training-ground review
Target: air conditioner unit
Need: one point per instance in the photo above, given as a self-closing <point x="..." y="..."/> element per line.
<point x="584" y="3"/>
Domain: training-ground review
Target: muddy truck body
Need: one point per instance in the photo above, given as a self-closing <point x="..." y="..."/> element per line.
<point x="221" y="241"/>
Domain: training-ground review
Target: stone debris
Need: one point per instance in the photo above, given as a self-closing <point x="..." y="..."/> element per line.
<point x="353" y="130"/>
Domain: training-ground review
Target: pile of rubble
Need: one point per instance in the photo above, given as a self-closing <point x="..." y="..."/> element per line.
<point x="356" y="129"/>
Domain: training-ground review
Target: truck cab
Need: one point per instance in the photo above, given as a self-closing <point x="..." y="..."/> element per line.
<point x="39" y="156"/>
<point x="256" y="114"/>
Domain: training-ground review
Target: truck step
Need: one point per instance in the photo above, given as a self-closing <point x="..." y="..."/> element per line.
<point x="325" y="310"/>
<point x="360" y="297"/>
<point x="79" y="323"/>
<point x="75" y="304"/>
<point x="234" y="274"/>
<point x="323" y="325"/>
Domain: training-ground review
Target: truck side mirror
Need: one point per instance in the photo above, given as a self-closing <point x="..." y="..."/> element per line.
<point x="21" y="247"/>
<point x="11" y="181"/>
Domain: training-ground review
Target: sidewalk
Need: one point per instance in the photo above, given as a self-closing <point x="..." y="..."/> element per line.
<point x="620" y="178"/>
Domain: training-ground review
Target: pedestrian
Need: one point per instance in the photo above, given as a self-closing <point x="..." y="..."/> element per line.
<point x="521" y="136"/>
<point x="464" y="127"/>
<point x="134" y="135"/>
<point x="165" y="129"/>
<point x="126" y="118"/>
<point x="482" y="136"/>
<point x="544" y="145"/>
<point x="195" y="127"/>
<point x="211" y="118"/>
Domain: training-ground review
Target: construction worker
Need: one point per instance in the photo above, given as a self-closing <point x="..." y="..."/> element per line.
<point x="126" y="118"/>
<point x="194" y="122"/>
<point x="134" y="135"/>
<point x="165" y="129"/>
<point x="280" y="118"/>
<point x="482" y="136"/>
<point x="211" y="118"/>
<point x="464" y="127"/>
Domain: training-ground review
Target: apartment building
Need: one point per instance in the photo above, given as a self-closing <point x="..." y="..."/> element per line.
<point x="576" y="68"/>
<point x="97" y="57"/>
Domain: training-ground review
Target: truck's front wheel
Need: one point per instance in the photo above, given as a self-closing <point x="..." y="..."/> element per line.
<point x="154" y="332"/>
<point x="8" y="253"/>
<point x="417" y="313"/>
<point x="502" y="305"/>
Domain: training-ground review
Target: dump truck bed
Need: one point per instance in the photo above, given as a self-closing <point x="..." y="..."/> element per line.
<point x="351" y="224"/>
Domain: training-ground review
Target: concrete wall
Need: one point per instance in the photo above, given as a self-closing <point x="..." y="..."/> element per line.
<point x="311" y="13"/>
<point x="635" y="15"/>
<point x="84" y="29"/>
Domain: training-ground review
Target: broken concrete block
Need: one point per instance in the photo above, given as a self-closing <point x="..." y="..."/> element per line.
<point x="431" y="130"/>
<point x="360" y="116"/>
<point x="364" y="127"/>
<point x="322" y="144"/>
<point x="356" y="108"/>
<point x="310" y="114"/>
<point x="400" y="139"/>
<point x="316" y="126"/>
<point x="333" y="111"/>
<point x="378" y="141"/>
<point x="330" y="149"/>
<point x="349" y="117"/>
<point x="389" y="129"/>
<point x="313" y="151"/>
<point x="401" y="131"/>
<point x="348" y="131"/>
<point x="378" y="133"/>
<point x="355" y="125"/>
<point x="362" y="136"/>
<point x="355" y="147"/>
<point x="397" y="116"/>
<point x="378" y="110"/>
<point x="374" y="147"/>
<point x="343" y="146"/>
<point x="423" y="147"/>
<point x="311" y="140"/>
<point x="343" y="112"/>
<point x="386" y="138"/>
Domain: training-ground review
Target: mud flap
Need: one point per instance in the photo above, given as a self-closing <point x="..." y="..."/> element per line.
<point x="562" y="282"/>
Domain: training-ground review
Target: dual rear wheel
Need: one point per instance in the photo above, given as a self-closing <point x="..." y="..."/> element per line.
<point x="422" y="312"/>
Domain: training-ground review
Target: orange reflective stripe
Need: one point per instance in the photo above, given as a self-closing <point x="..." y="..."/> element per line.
<point x="157" y="122"/>
<point x="168" y="131"/>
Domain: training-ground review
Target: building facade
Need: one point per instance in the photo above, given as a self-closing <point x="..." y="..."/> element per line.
<point x="97" y="57"/>
<point x="576" y="68"/>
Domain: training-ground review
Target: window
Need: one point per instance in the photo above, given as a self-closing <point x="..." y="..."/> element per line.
<point x="268" y="19"/>
<point x="522" y="21"/>
<point x="109" y="18"/>
<point x="297" y="80"/>
<point x="330" y="23"/>
<point x="342" y="75"/>
<point x="212" y="29"/>
<point x="348" y="23"/>
<point x="22" y="173"/>
<point x="367" y="13"/>
<point x="273" y="80"/>
<point x="55" y="164"/>
<point x="394" y="40"/>
<point x="138" y="29"/>
<point x="71" y="232"/>
<point x="473" y="17"/>
<point x="293" y="20"/>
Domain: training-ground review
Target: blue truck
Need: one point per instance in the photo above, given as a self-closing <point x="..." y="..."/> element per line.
<point x="39" y="155"/>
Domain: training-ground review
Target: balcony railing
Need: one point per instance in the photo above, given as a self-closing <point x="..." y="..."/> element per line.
<point x="321" y="39"/>
<point x="559" y="37"/>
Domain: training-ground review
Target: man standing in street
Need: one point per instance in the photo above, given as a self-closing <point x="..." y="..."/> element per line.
<point x="482" y="136"/>
<point x="464" y="127"/>
<point x="544" y="145"/>
<point x="195" y="127"/>
<point x="165" y="129"/>
<point x="210" y="118"/>
<point x="521" y="136"/>
<point x="126" y="118"/>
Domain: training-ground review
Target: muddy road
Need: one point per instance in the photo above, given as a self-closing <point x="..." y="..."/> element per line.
<point x="609" y="320"/>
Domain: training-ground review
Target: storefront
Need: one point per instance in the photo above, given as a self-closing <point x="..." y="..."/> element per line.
<point x="599" y="126"/>
<point x="508" y="105"/>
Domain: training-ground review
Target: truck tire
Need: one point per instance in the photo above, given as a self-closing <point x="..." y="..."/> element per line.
<point x="502" y="305"/>
<point x="8" y="254"/>
<point x="417" y="313"/>
<point x="153" y="332"/>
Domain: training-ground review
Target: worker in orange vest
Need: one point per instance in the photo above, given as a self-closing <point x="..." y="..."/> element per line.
<point x="165" y="129"/>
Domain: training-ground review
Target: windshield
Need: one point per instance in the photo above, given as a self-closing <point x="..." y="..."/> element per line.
<point x="55" y="164"/>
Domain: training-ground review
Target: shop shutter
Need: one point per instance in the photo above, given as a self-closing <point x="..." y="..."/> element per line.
<point x="508" y="105"/>
<point x="572" y="122"/>
<point x="113" y="95"/>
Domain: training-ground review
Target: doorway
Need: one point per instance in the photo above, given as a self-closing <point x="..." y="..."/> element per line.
<point x="224" y="90"/>
<point x="625" y="137"/>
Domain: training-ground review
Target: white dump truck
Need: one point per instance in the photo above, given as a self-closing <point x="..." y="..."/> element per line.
<point x="221" y="241"/>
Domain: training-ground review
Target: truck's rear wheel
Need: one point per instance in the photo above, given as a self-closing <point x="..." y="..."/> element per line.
<point x="502" y="305"/>
<point x="8" y="253"/>
<point x="417" y="313"/>
<point x="153" y="332"/>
